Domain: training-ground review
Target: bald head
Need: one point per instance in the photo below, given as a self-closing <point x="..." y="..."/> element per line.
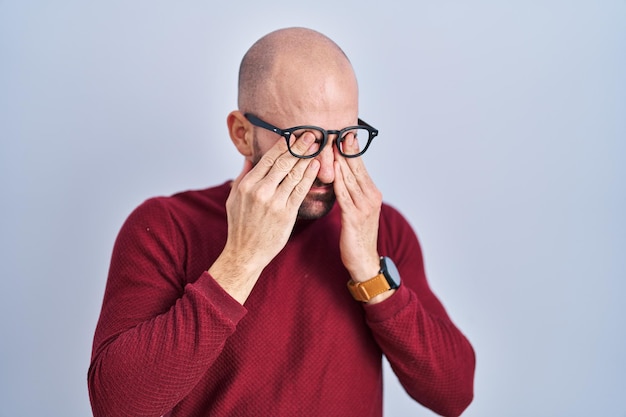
<point x="289" y="62"/>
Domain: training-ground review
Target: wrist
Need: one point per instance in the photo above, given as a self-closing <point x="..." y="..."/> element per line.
<point x="365" y="270"/>
<point x="379" y="287"/>
<point x="236" y="278"/>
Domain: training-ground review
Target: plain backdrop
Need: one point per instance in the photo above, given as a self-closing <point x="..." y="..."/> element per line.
<point x="502" y="140"/>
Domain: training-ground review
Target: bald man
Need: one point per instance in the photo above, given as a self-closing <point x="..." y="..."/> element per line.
<point x="277" y="294"/>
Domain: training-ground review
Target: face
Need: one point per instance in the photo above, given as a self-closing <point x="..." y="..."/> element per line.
<point x="312" y="91"/>
<point x="319" y="200"/>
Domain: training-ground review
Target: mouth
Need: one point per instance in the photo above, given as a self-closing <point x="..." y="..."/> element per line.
<point x="319" y="186"/>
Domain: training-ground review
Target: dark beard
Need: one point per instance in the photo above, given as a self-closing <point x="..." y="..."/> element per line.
<point x="317" y="205"/>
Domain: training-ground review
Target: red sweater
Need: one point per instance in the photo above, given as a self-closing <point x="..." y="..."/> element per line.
<point x="170" y="339"/>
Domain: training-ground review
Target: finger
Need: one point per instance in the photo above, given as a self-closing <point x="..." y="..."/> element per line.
<point x="350" y="144"/>
<point x="353" y="172"/>
<point x="356" y="180"/>
<point x="356" y="165"/>
<point x="285" y="163"/>
<point x="300" y="178"/>
<point x="292" y="178"/>
<point x="304" y="144"/>
<point x="343" y="195"/>
<point x="268" y="160"/>
<point x="301" y="189"/>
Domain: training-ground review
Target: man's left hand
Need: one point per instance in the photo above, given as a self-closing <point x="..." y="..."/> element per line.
<point x="360" y="202"/>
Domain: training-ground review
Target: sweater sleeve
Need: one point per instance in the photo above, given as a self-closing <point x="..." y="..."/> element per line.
<point x="157" y="334"/>
<point x="433" y="360"/>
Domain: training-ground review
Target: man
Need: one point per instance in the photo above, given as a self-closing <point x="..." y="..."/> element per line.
<point x="232" y="301"/>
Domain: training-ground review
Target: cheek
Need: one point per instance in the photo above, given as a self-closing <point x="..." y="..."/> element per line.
<point x="258" y="150"/>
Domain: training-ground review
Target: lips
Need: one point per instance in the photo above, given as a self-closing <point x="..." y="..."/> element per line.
<point x="320" y="186"/>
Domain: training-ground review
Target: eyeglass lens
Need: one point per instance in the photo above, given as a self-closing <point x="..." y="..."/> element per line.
<point x="351" y="141"/>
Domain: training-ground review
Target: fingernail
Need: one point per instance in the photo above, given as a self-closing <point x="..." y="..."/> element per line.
<point x="308" y="138"/>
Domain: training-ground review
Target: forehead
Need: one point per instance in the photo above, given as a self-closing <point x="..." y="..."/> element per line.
<point x="324" y="96"/>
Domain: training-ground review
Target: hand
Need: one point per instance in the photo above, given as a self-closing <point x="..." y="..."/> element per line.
<point x="262" y="208"/>
<point x="360" y="203"/>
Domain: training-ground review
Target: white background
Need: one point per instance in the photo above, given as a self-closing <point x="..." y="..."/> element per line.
<point x="503" y="127"/>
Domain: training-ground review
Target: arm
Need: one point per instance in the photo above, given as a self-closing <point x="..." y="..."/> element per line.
<point x="156" y="336"/>
<point x="262" y="209"/>
<point x="432" y="359"/>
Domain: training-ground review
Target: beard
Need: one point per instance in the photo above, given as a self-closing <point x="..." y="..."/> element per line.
<point x="317" y="203"/>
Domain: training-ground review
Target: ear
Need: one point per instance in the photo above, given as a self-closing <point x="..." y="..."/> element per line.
<point x="240" y="131"/>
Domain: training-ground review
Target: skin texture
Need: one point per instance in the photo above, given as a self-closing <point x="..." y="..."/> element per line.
<point x="286" y="87"/>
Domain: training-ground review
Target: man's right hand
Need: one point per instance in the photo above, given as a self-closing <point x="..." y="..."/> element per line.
<point x="262" y="208"/>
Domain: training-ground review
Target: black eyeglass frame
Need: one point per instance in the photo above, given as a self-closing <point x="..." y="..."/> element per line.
<point x="286" y="133"/>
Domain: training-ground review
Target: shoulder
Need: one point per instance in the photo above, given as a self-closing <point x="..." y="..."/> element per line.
<point x="208" y="198"/>
<point x="185" y="203"/>
<point x="395" y="231"/>
<point x="179" y="211"/>
<point x="390" y="217"/>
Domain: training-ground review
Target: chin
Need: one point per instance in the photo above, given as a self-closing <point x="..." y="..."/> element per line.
<point x="312" y="209"/>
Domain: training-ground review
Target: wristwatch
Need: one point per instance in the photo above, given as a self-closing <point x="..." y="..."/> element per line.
<point x="388" y="278"/>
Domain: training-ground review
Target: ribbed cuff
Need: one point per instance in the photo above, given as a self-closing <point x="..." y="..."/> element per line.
<point x="219" y="298"/>
<point x="388" y="308"/>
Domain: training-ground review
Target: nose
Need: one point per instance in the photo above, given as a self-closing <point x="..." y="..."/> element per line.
<point x="326" y="158"/>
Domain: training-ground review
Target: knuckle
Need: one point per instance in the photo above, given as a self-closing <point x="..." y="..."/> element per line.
<point x="267" y="161"/>
<point x="300" y="190"/>
<point x="356" y="169"/>
<point x="260" y="194"/>
<point x="275" y="207"/>
<point x="301" y="144"/>
<point x="295" y="175"/>
<point x="283" y="165"/>
<point x="244" y="187"/>
<point x="275" y="177"/>
<point x="344" y="194"/>
<point x="350" y="179"/>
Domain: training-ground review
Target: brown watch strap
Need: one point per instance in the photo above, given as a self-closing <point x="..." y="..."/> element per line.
<point x="366" y="290"/>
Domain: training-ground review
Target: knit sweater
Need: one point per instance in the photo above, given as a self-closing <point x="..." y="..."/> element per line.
<point x="171" y="341"/>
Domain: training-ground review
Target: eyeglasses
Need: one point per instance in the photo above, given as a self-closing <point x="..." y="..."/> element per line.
<point x="360" y="132"/>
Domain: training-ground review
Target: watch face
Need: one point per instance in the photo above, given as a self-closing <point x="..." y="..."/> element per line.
<point x="390" y="271"/>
